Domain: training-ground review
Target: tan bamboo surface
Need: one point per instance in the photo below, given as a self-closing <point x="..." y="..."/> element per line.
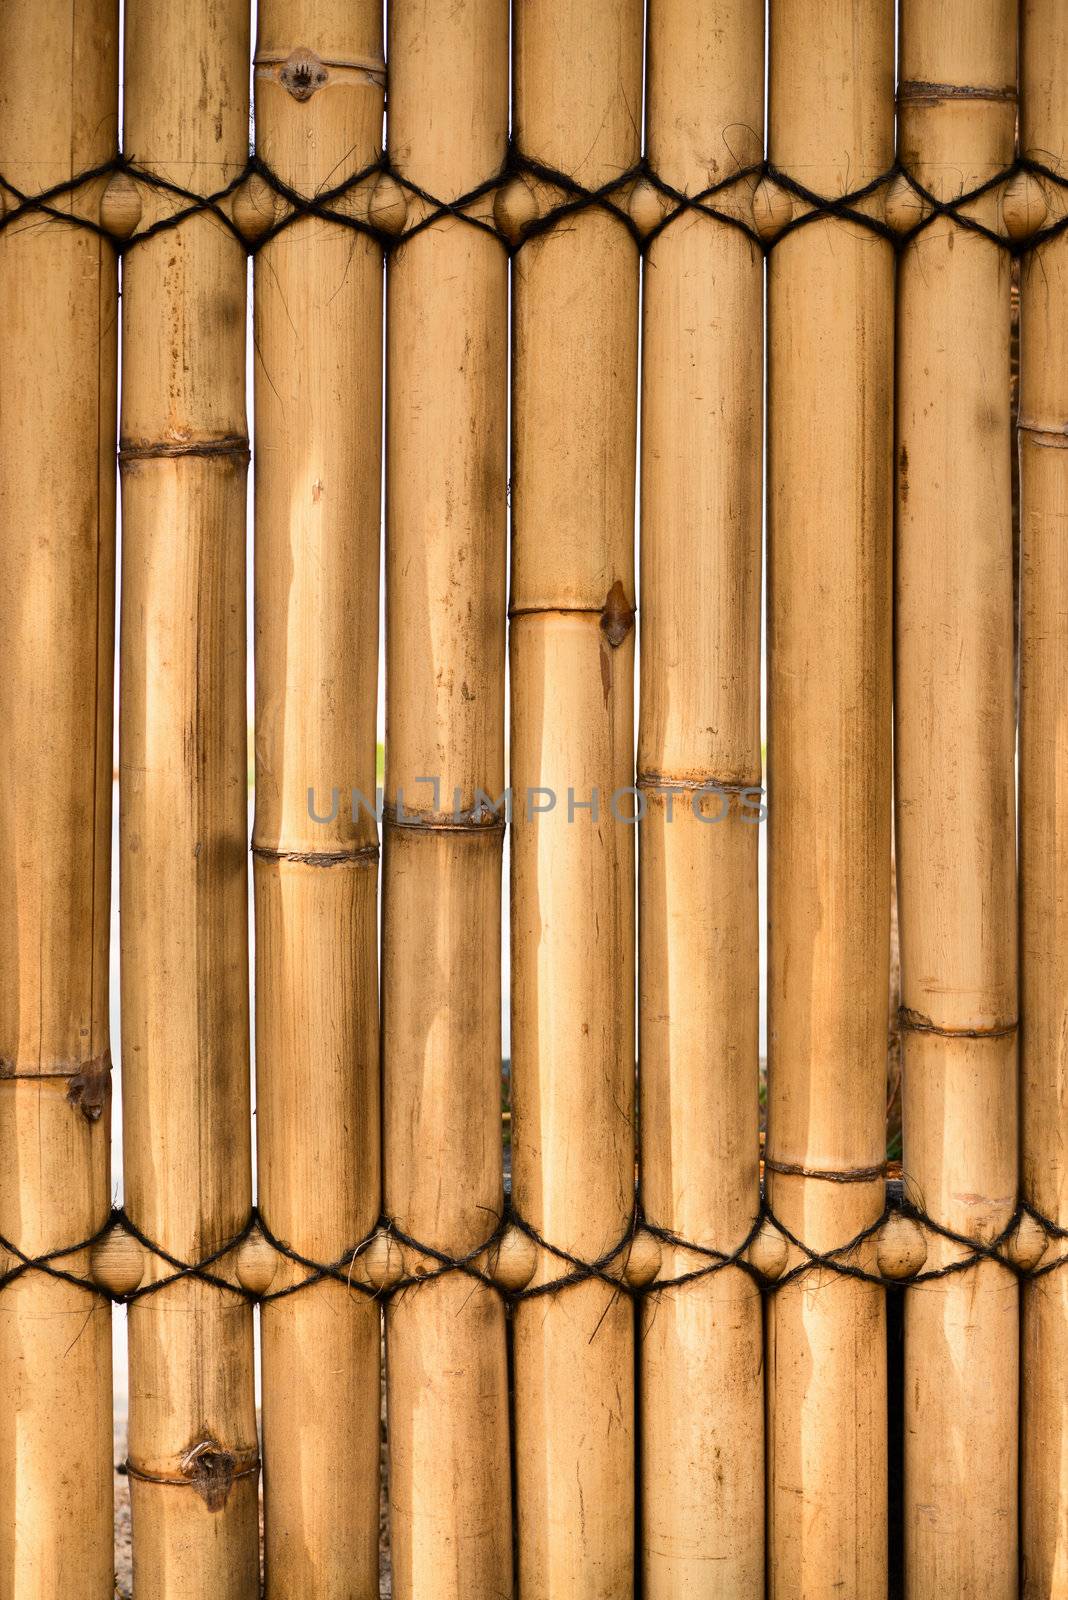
<point x="954" y="745"/>
<point x="702" y="1381"/>
<point x="830" y="363"/>
<point x="578" y="71"/>
<point x="1043" y="441"/>
<point x="58" y="286"/>
<point x="318" y="385"/>
<point x="447" y="338"/>
<point x="192" y="1439"/>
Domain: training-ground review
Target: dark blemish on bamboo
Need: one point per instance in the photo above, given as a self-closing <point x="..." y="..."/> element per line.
<point x="617" y="617"/>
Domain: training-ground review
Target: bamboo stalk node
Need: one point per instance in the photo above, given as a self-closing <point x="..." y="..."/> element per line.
<point x="511" y="1260"/>
<point x="768" y="1252"/>
<point x="1027" y="1243"/>
<point x="257" y="1263"/>
<point x="387" y="208"/>
<point x="1024" y="206"/>
<point x="255" y="208"/>
<point x="515" y="207"/>
<point x="773" y="209"/>
<point x="901" y="1247"/>
<point x="117" y="1261"/>
<point x="120" y="206"/>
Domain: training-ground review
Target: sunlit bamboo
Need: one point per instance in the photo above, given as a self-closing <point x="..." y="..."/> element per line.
<point x="319" y="94"/>
<point x="830" y="363"/>
<point x="449" y="1471"/>
<point x="58" y="118"/>
<point x="954" y="749"/>
<point x="184" y="809"/>
<point x="702" y="1383"/>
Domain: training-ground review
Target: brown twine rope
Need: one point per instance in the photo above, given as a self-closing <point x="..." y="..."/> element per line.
<point x="323" y="203"/>
<point x="579" y="1271"/>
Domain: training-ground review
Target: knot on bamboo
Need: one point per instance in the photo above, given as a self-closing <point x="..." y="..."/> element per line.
<point x="303" y="73"/>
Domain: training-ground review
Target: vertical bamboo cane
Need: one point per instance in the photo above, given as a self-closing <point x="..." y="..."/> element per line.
<point x="702" y="1401"/>
<point x="449" y="1475"/>
<point x="57" y="503"/>
<point x="830" y="342"/>
<point x="578" y="100"/>
<point x="193" y="1448"/>
<point x="318" y="496"/>
<point x="955" y="804"/>
<point x="1043" y="436"/>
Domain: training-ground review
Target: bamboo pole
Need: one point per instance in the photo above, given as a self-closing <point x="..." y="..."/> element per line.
<point x="193" y="1446"/>
<point x="702" y="1401"/>
<point x="449" y="1472"/>
<point x="955" y="802"/>
<point x="1043" y="443"/>
<point x="319" y="82"/>
<point x="830" y="354"/>
<point x="577" y="109"/>
<point x="57" y="506"/>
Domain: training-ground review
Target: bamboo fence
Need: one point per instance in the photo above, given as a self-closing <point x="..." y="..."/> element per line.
<point x="505" y="255"/>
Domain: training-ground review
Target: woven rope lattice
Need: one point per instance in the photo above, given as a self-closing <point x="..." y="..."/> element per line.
<point x="608" y="1267"/>
<point x="729" y="202"/>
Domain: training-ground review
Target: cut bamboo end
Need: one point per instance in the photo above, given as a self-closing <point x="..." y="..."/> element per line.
<point x="256" y="1264"/>
<point x="902" y="1247"/>
<point x="773" y="209"/>
<point x="515" y="207"/>
<point x="382" y="1262"/>
<point x="255" y="208"/>
<point x="641" y="1259"/>
<point x="1024" y="207"/>
<point x="1027" y="1243"/>
<point x="904" y="208"/>
<point x="511" y="1262"/>
<point x="117" y="1261"/>
<point x="120" y="206"/>
<point x="647" y="206"/>
<point x="387" y="209"/>
<point x="769" y="1251"/>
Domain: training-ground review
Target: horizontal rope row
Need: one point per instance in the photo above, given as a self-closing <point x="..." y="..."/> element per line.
<point x="768" y="1270"/>
<point x="641" y="200"/>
